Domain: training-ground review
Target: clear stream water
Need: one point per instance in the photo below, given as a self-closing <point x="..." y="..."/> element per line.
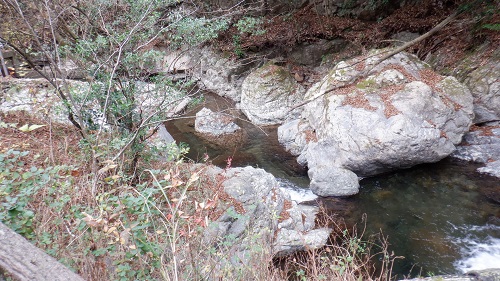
<point x="444" y="218"/>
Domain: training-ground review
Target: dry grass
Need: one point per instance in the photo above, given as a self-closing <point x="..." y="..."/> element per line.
<point x="133" y="231"/>
<point x="56" y="144"/>
<point x="347" y="256"/>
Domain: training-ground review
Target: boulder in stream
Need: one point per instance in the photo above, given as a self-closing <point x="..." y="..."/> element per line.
<point x="219" y="129"/>
<point x="268" y="95"/>
<point x="401" y="115"/>
<point x="214" y="123"/>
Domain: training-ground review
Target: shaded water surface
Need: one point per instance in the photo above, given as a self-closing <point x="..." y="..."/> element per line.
<point x="443" y="217"/>
<point x="259" y="147"/>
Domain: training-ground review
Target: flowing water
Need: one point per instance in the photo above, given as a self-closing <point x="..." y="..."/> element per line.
<point x="443" y="218"/>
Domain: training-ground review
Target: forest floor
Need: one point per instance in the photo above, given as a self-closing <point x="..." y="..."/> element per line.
<point x="472" y="33"/>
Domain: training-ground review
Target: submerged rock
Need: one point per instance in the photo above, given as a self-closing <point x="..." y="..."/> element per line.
<point x="268" y="95"/>
<point x="401" y="115"/>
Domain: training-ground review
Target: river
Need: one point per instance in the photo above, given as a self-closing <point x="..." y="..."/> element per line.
<point x="444" y="218"/>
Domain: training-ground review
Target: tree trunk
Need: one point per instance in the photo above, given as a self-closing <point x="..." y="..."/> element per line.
<point x="24" y="261"/>
<point x="4" y="70"/>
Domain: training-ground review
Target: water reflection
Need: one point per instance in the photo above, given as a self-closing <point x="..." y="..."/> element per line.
<point x="259" y="148"/>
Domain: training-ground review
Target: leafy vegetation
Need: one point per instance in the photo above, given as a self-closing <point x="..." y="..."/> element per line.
<point x="154" y="229"/>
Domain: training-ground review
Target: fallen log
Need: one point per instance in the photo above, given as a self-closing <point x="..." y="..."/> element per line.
<point x="23" y="261"/>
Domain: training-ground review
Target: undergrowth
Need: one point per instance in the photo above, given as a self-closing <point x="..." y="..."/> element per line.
<point x="348" y="255"/>
<point x="152" y="227"/>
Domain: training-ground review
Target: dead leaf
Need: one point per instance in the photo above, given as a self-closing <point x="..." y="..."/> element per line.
<point x="76" y="173"/>
<point x="28" y="128"/>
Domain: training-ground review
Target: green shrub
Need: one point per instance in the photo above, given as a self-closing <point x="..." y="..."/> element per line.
<point x="19" y="185"/>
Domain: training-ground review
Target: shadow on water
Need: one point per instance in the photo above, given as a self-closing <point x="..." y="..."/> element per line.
<point x="443" y="217"/>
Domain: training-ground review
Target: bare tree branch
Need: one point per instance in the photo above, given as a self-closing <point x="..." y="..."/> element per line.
<point x="366" y="72"/>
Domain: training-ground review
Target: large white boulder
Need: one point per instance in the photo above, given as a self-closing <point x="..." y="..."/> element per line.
<point x="401" y="115"/>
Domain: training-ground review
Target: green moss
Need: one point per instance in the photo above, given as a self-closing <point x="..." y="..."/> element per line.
<point x="276" y="72"/>
<point x="365" y="84"/>
<point x="451" y="86"/>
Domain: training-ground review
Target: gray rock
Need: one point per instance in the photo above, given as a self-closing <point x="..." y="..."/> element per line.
<point x="484" y="84"/>
<point x="295" y="135"/>
<point x="177" y="61"/>
<point x="38" y="98"/>
<point x="482" y="146"/>
<point x="479" y="153"/>
<point x="390" y="120"/>
<point x="298" y="233"/>
<point x="214" y="123"/>
<point x="268" y="95"/>
<point x="259" y="211"/>
<point x="332" y="181"/>
<point x="302" y="218"/>
<point x="491" y="168"/>
<point x="219" y="73"/>
<point x="291" y="241"/>
<point x="492" y="274"/>
<point x="251" y="219"/>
